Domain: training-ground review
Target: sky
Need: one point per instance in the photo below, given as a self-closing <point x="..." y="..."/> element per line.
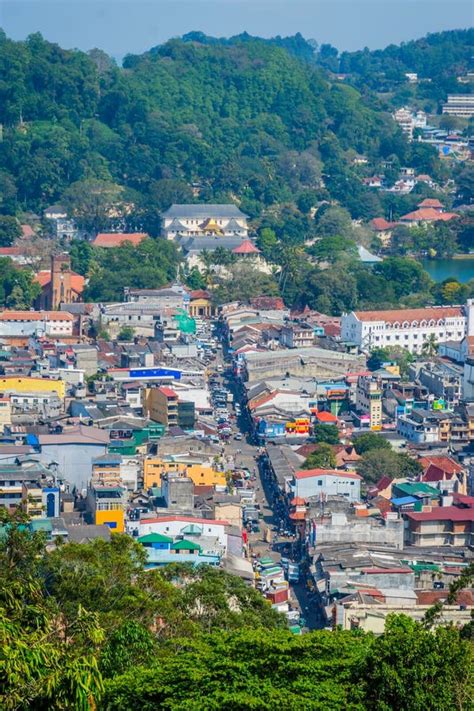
<point x="133" y="26"/>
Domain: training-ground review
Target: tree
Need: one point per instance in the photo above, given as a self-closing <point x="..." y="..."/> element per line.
<point x="465" y="184"/>
<point x="126" y="333"/>
<point x="430" y="346"/>
<point x="243" y="283"/>
<point x="328" y="434"/>
<point x="10" y="230"/>
<point x="377" y="357"/>
<point x="369" y="441"/>
<point x="94" y="204"/>
<point x="329" y="249"/>
<point x="376" y="463"/>
<point x="334" y="222"/>
<point x="323" y="457"/>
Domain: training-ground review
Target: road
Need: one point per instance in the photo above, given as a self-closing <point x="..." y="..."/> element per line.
<point x="244" y="453"/>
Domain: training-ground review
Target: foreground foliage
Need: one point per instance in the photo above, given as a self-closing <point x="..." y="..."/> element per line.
<point x="87" y="627"/>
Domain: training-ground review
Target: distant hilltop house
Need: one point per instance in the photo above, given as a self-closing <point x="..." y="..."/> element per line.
<point x="187" y="221"/>
<point x="408" y="121"/>
<point x="62" y="226"/>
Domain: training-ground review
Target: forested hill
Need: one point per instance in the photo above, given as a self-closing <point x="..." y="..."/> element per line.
<point x="246" y="122"/>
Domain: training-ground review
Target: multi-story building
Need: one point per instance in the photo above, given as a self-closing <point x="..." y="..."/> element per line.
<point x="369" y="400"/>
<point x="301" y="336"/>
<point x="19" y="326"/>
<point x="14" y="477"/>
<point x="443" y="526"/>
<point x="424" y="426"/>
<point x="459" y="105"/>
<point x="106" y="504"/>
<point x="407" y="328"/>
<point x="408" y="121"/>
<point x="181" y="221"/>
<point x="161" y="405"/>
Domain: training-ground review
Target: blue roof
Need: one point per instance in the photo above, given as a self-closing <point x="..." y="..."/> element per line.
<point x="403" y="500"/>
<point x="32" y="440"/>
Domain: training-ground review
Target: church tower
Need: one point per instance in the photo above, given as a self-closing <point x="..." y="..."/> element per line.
<point x="60" y="285"/>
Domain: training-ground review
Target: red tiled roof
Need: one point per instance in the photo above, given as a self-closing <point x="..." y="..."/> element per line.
<point x="378" y="571"/>
<point x="298" y="515"/>
<point x="427" y="214"/>
<point x="27" y="231"/>
<point x="35" y="316"/>
<point x="429" y="597"/>
<point x="430" y="202"/>
<point x="308" y="473"/>
<point x="434" y="473"/>
<point x="199" y="294"/>
<point x="442" y="513"/>
<point x="43" y="278"/>
<point x="380" y="224"/>
<point x="169" y="392"/>
<point x="464" y="500"/>
<point x="10" y="251"/>
<point x="409" y="315"/>
<point x="115" y="239"/>
<point x="275" y="303"/>
<point x="306" y="449"/>
<point x="298" y="501"/>
<point x="247" y="247"/>
<point x="326" y="417"/>
<point x="441" y="461"/>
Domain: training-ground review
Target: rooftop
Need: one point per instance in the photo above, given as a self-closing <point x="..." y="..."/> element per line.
<point x="401" y="315"/>
<point x="115" y="239"/>
<point x="202" y="211"/>
<point x="308" y="473"/>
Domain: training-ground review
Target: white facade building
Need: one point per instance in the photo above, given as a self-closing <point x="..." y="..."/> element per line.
<point x="459" y="105"/>
<point x="407" y="328"/>
<point x="174" y="526"/>
<point x="35" y="323"/>
<point x="204" y="220"/>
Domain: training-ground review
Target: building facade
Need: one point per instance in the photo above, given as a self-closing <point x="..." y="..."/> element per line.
<point x="407" y="328"/>
<point x="204" y="220"/>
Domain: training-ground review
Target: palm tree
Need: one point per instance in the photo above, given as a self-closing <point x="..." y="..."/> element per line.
<point x="430" y="346"/>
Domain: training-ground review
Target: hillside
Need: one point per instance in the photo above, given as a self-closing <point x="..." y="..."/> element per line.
<point x="244" y="121"/>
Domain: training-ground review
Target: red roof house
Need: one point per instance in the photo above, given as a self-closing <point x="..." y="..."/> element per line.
<point x="116" y="239"/>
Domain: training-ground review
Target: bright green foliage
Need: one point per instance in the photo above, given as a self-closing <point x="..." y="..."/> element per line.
<point x="151" y="264"/>
<point x="369" y="441"/>
<point x="86" y="627"/>
<point x="17" y="287"/>
<point x="323" y="457"/>
<point x="379" y="462"/>
<point x="326" y="433"/>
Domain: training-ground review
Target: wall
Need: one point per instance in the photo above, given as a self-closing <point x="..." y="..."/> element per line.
<point x="391" y="534"/>
<point x="74" y="460"/>
<point x="114" y="519"/>
<point x="31" y="385"/>
<point x="202" y="475"/>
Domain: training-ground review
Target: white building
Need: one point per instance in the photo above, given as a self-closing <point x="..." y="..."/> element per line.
<point x="407" y="328"/>
<point x="408" y="120"/>
<point x="18" y="324"/>
<point x="204" y="220"/>
<point x="459" y="105"/>
<point x="174" y="526"/>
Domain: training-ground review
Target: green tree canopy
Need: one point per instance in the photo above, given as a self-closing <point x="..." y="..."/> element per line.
<point x="369" y="441"/>
<point x="323" y="457"/>
<point x="329" y="434"/>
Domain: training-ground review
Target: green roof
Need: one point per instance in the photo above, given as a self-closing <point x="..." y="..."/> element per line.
<point x="185" y="546"/>
<point x="418" y="488"/>
<point x="154" y="538"/>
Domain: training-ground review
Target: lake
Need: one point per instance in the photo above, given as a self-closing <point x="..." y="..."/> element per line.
<point x="441" y="269"/>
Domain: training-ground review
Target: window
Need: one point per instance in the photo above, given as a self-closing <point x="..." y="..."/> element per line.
<point x="320" y="482"/>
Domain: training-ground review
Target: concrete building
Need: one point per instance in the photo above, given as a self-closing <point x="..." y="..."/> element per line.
<point x="424" y="426"/>
<point x="204" y="221"/>
<point x="19" y="326"/>
<point x="407" y="328"/>
<point x="326" y="482"/>
<point x="161" y="405"/>
<point x="301" y="336"/>
<point x="178" y="492"/>
<point x="461" y="105"/>
<point x="15" y="476"/>
<point x="343" y="528"/>
<point x="443" y="380"/>
<point x="304" y="362"/>
<point x="443" y="526"/>
<point x="369" y="400"/>
<point x="174" y="296"/>
<point x="106" y="505"/>
<point x="186" y="526"/>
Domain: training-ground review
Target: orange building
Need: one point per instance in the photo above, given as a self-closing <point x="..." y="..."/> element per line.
<point x="59" y="285"/>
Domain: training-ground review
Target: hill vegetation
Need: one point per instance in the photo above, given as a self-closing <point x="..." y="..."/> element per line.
<point x="86" y="626"/>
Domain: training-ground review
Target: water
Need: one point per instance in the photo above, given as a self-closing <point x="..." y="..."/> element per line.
<point x="441" y="269"/>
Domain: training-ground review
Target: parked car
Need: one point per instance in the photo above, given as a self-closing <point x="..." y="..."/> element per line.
<point x="238" y="436"/>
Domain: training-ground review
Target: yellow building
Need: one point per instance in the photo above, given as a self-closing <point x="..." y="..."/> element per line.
<point x="113" y="518"/>
<point x="369" y="400"/>
<point x="201" y="474"/>
<point x="5" y="412"/>
<point x="200" y="304"/>
<point x="106" y="505"/>
<point x="161" y="405"/>
<point x="33" y="385"/>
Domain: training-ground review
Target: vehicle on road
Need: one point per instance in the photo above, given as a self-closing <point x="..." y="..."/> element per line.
<point x="238" y="436"/>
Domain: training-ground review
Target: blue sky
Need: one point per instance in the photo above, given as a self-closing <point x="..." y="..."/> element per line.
<point x="123" y="26"/>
